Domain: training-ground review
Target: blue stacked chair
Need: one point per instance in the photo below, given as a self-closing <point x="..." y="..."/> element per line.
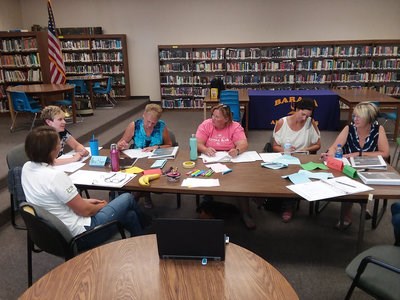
<point x="231" y="98"/>
<point x="22" y="103"/>
<point x="106" y="91"/>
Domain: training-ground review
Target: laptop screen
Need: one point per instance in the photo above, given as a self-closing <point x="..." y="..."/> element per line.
<point x="190" y="238"/>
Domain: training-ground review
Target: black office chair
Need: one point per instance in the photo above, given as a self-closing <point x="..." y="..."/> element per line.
<point x="50" y="234"/>
<point x="377" y="272"/>
<point x="16" y="157"/>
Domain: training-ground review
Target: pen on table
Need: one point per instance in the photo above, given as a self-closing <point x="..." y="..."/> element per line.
<point x="226" y="172"/>
<point x="199" y="173"/>
<point x="194" y="173"/>
<point x="345" y="184"/>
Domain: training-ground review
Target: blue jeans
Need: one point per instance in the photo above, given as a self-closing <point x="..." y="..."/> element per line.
<point x="396" y="221"/>
<point x="124" y="209"/>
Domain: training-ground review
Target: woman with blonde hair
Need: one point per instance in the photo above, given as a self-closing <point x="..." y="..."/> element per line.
<point x="363" y="137"/>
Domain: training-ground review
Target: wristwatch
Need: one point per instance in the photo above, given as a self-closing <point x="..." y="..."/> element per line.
<point x="237" y="150"/>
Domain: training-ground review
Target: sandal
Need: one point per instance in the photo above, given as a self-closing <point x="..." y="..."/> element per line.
<point x="346" y="224"/>
<point x="248" y="221"/>
<point x="287" y="216"/>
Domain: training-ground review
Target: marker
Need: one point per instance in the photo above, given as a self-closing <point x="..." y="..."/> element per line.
<point x="194" y="173"/>
<point x="226" y="172"/>
<point x="199" y="173"/>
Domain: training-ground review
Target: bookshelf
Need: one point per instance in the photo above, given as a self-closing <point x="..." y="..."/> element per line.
<point x="98" y="54"/>
<point x="187" y="70"/>
<point x="23" y="56"/>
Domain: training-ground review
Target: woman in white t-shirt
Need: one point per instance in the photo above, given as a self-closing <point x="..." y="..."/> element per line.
<point x="300" y="130"/>
<point x="54" y="191"/>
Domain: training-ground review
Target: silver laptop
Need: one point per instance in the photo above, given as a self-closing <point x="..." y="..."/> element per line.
<point x="190" y="238"/>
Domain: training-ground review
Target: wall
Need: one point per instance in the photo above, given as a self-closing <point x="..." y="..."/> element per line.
<point x="153" y="22"/>
<point x="10" y="15"/>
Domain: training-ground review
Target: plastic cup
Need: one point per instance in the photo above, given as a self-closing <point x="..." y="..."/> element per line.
<point x="94" y="147"/>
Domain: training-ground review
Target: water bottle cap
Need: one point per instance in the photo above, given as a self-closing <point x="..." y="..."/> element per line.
<point x="339" y="145"/>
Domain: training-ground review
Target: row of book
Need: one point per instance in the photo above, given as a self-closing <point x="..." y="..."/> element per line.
<point x="28" y="60"/>
<point x="280" y="52"/>
<point x="23" y="76"/>
<point x="176" y="67"/>
<point x="74" y="45"/>
<point x="182" y="103"/>
<point x="95" y="68"/>
<point x="17" y="45"/>
<point x="106" y="44"/>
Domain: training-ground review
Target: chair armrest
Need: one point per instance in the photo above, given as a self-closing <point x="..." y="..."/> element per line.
<point x="97" y="230"/>
<point x="370" y="259"/>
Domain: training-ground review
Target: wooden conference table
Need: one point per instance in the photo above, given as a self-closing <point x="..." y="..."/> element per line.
<point x="351" y="97"/>
<point x="89" y="80"/>
<point x="131" y="269"/>
<point x="42" y="91"/>
<point x="247" y="180"/>
<point x="243" y="101"/>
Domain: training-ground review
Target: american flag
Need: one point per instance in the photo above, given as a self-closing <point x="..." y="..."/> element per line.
<point x="57" y="67"/>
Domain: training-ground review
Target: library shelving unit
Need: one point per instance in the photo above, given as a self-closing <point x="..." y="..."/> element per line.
<point x="98" y="54"/>
<point x="23" y="60"/>
<point x="187" y="70"/>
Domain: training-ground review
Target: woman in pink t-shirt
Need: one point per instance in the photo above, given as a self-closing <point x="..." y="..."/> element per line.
<point x="221" y="133"/>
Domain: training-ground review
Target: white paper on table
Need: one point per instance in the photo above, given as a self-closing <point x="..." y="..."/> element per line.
<point x="71" y="167"/>
<point x="200" y="182"/>
<point x="220" y="156"/>
<point x="270" y="157"/>
<point x="218" y="167"/>
<point x="97" y="178"/>
<point x="246" y="156"/>
<point x="72" y="152"/>
<point x="331" y="188"/>
<point x="139" y="153"/>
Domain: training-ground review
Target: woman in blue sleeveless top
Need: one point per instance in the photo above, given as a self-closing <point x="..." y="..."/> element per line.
<point x="148" y="133"/>
<point x="363" y="137"/>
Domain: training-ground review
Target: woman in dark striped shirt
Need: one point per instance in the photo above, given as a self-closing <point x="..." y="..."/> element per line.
<point x="363" y="137"/>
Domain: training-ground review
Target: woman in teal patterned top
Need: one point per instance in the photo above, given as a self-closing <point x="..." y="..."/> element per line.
<point x="148" y="133"/>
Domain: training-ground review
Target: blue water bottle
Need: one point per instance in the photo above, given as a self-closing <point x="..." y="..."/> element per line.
<point x="193" y="147"/>
<point x="339" y="151"/>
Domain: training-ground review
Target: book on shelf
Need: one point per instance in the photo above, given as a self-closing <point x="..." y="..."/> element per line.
<point x="380" y="178"/>
<point x="368" y="162"/>
<point x="167" y="153"/>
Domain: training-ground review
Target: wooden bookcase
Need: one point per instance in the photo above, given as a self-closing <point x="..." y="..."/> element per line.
<point x="23" y="60"/>
<point x="98" y="54"/>
<point x="187" y="70"/>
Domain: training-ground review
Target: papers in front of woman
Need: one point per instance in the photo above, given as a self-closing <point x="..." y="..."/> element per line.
<point x="330" y="188"/>
<point x="223" y="156"/>
<point x="138" y="153"/>
<point x="279" y="158"/>
<point x="200" y="182"/>
<point x="97" y="178"/>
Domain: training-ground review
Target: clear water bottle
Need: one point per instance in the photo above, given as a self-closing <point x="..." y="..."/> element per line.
<point x="287" y="148"/>
<point x="193" y="147"/>
<point x="114" y="154"/>
<point x="339" y="151"/>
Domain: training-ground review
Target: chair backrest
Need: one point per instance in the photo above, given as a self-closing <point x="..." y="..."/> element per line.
<point x="231" y="98"/>
<point x="46" y="231"/>
<point x="16" y="156"/>
<point x="21" y="103"/>
<point x="80" y="86"/>
<point x="173" y="138"/>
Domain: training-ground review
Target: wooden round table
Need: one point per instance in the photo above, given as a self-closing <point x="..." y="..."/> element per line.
<point x="131" y="269"/>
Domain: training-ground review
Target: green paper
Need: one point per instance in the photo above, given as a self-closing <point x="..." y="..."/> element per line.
<point x="349" y="171"/>
<point x="312" y="166"/>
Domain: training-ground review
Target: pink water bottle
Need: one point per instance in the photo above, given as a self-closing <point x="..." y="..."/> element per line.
<point x="114" y="154"/>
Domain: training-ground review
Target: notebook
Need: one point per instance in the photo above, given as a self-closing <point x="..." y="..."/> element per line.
<point x="190" y="238"/>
